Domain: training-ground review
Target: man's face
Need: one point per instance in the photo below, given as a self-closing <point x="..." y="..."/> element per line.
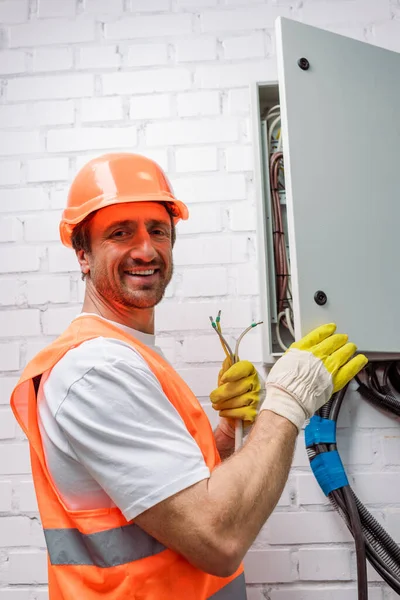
<point x="130" y="263"/>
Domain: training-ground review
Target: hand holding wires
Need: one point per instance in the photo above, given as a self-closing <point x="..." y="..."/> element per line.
<point x="246" y="374"/>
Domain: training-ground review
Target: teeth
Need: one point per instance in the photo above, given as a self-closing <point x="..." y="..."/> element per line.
<point x="148" y="272"/>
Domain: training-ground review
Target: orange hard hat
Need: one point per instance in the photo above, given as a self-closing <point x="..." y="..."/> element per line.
<point x="113" y="179"/>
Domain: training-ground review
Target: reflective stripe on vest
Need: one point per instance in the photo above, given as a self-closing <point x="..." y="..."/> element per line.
<point x="235" y="590"/>
<point x="104" y="549"/>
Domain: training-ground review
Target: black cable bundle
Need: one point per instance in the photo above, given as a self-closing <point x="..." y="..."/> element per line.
<point x="372" y="542"/>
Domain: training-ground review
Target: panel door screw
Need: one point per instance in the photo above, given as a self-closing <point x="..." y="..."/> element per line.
<point x="303" y="64"/>
<point x="320" y="298"/>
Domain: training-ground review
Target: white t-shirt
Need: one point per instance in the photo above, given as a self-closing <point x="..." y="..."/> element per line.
<point x="110" y="435"/>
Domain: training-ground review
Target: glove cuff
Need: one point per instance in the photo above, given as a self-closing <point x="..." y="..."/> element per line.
<point x="285" y="405"/>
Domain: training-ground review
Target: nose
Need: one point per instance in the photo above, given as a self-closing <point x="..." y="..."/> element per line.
<point x="142" y="247"/>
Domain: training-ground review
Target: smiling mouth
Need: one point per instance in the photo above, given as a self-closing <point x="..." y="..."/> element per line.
<point x="142" y="273"/>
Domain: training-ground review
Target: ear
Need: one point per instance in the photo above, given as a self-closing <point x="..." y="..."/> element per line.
<point x="83" y="260"/>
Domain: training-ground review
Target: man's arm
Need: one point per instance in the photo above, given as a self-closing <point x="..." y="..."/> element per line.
<point x="221" y="516"/>
<point x="214" y="522"/>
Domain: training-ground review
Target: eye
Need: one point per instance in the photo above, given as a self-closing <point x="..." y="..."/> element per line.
<point x="120" y="233"/>
<point x="158" y="232"/>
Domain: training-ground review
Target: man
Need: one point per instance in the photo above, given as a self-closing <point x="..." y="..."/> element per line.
<point x="133" y="499"/>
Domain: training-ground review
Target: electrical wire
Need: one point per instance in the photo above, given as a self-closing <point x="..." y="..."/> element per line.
<point x="372" y="542"/>
<point x="234" y="358"/>
<point x="281" y="258"/>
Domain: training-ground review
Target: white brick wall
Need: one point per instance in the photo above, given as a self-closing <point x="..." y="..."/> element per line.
<point x="170" y="80"/>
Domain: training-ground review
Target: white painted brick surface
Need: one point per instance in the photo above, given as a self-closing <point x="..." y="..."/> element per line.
<point x="17" y="143"/>
<point x="10" y="229"/>
<point x="14" y="115"/>
<point x="323" y="13"/>
<point x="250" y="46"/>
<point x="67" y="140"/>
<point x="188" y="131"/>
<point x="5" y="496"/>
<point x="323" y="592"/>
<point x="8" y="383"/>
<point x="13" y="61"/>
<point x="203" y="219"/>
<point x="246" y="280"/>
<point x="10" y="292"/>
<point x="239" y="158"/>
<point x="48" y="289"/>
<point x="242" y="217"/>
<point x="59" y="112"/>
<point x="141" y="55"/>
<point x="10" y="172"/>
<point x="51" y="31"/>
<point x="198" y="104"/>
<point x="204" y="282"/>
<point x="259" y="17"/>
<point x="273" y="565"/>
<point x="55" y="86"/>
<point x="62" y="259"/>
<point x="56" y="8"/>
<point x="189" y="160"/>
<point x="307" y="527"/>
<point x="322" y="564"/>
<point x="15" y="323"/>
<point x="27" y="497"/>
<point x="101" y="109"/>
<point x="13" y="11"/>
<point x="7" y="425"/>
<point x="150" y="107"/>
<point x="22" y="199"/>
<point x="149" y="26"/>
<point x="9" y="356"/>
<point x="149" y="5"/>
<point x="238" y="101"/>
<point x="19" y="260"/>
<point x="171" y="80"/>
<point x="14" y="459"/>
<point x="103" y="7"/>
<point x="194" y="50"/>
<point x="47" y="169"/>
<point x="53" y="59"/>
<point x="391" y="448"/>
<point x="42" y="228"/>
<point x="94" y="57"/>
<point x="148" y="81"/>
<point x="27" y="567"/>
<point x="211" y="188"/>
<point x="235" y="75"/>
<point x="55" y="320"/>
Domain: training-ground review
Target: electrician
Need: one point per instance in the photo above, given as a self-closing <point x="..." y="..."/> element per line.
<point x="133" y="497"/>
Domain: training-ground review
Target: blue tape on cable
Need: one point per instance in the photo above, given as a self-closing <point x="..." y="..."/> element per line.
<point x="320" y="431"/>
<point x="329" y="471"/>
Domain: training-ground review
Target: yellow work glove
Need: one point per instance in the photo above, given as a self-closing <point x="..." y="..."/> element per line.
<point x="306" y="376"/>
<point x="238" y="393"/>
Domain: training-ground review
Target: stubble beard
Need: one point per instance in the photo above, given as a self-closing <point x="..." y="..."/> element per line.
<point x="145" y="297"/>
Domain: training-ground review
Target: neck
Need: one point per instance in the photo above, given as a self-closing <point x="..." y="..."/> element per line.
<point x="141" y="319"/>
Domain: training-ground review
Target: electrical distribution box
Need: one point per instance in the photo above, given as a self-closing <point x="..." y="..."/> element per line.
<point x="339" y="130"/>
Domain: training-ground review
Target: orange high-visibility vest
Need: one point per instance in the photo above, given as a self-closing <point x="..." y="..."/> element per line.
<point x="96" y="554"/>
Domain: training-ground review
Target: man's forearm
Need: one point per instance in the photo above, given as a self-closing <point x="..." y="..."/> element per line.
<point x="245" y="489"/>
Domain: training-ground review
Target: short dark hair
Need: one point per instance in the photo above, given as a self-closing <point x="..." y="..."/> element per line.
<point x="80" y="237"/>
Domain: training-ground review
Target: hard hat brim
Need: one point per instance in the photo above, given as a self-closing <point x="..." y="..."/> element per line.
<point x="71" y="216"/>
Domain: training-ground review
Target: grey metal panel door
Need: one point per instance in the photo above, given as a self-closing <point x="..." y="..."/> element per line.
<point x="341" y="128"/>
